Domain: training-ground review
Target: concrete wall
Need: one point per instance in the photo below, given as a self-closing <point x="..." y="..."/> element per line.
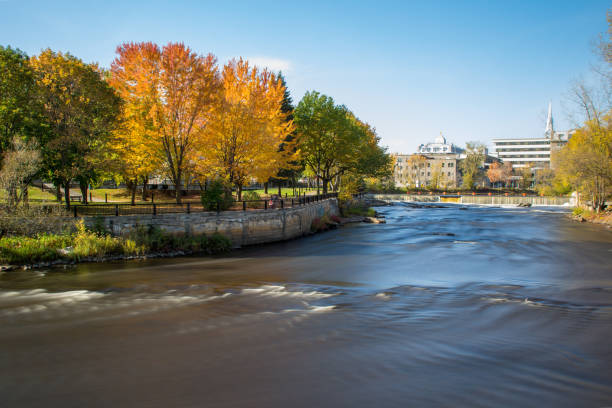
<point x="482" y="200"/>
<point x="243" y="228"/>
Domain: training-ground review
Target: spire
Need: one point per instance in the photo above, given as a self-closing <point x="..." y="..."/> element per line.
<point x="548" y="132"/>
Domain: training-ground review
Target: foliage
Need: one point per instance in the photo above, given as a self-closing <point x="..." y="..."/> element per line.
<point x="81" y="110"/>
<point x="251" y="195"/>
<point x="320" y="224"/>
<point x="20" y="165"/>
<point x="34" y="220"/>
<point x="156" y="240"/>
<point x="586" y="161"/>
<point x="499" y="173"/>
<point x="85" y="243"/>
<point x="334" y="142"/>
<point x="248" y="127"/>
<point x="217" y="196"/>
<point x="19" y="110"/>
<point x="170" y="93"/>
<point x="470" y="166"/>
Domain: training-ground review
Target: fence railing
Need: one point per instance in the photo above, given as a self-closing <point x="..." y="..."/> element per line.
<point x="95" y="209"/>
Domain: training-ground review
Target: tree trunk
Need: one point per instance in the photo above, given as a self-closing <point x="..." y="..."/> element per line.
<point x="58" y="192"/>
<point x="145" y="179"/>
<point x="83" y="187"/>
<point x="325" y="183"/>
<point x="177" y="188"/>
<point x="134" y="188"/>
<point x="67" y="194"/>
<point x="280" y="192"/>
<point x="239" y="192"/>
<point x="266" y="187"/>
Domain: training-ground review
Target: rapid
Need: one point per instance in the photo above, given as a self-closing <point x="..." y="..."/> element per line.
<point x="456" y="306"/>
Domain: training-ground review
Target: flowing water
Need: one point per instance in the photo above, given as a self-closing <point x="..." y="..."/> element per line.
<point x="458" y="307"/>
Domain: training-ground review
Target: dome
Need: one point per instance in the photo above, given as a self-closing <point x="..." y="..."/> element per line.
<point x="440" y="139"/>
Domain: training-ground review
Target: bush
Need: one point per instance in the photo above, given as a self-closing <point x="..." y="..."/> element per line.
<point x="320" y="224"/>
<point x="155" y="239"/>
<point x="217" y="196"/>
<point x="35" y="220"/>
<point x="251" y="195"/>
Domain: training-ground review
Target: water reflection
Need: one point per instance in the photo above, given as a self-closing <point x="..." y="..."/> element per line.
<point x="438" y="307"/>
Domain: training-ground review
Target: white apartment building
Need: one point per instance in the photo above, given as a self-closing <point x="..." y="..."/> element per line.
<point x="535" y="151"/>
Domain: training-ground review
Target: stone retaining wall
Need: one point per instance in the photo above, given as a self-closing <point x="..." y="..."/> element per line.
<point x="242" y="227"/>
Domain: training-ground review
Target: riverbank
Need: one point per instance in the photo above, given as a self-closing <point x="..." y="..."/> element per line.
<point x="130" y="238"/>
<point x="582" y="215"/>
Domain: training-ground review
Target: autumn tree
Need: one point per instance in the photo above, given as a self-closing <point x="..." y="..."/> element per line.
<point x="437" y="176"/>
<point x="416" y="165"/>
<point x="170" y="94"/>
<point x="495" y="173"/>
<point x="586" y="161"/>
<point x="470" y="166"/>
<point x="248" y="128"/>
<point x="136" y="148"/>
<point x="81" y="110"/>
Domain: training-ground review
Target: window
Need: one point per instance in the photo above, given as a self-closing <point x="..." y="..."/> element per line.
<point x="428" y="174"/>
<point x="451" y="164"/>
<point x="428" y="164"/>
<point x="443" y="164"/>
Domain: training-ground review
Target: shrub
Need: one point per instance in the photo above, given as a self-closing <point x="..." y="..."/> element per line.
<point x="335" y="219"/>
<point x="320" y="224"/>
<point x="217" y="195"/>
<point x="251" y="195"/>
<point x="35" y="220"/>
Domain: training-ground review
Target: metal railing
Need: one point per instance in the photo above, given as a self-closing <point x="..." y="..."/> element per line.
<point x="95" y="209"/>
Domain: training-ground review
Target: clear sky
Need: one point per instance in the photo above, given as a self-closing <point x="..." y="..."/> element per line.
<point x="475" y="70"/>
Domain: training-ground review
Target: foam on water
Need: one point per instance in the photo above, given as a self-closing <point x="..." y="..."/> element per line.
<point x="281" y="291"/>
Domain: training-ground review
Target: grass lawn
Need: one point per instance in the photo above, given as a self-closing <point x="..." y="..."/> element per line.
<point x="34" y="193"/>
<point x="123" y="195"/>
<point x="284" y="190"/>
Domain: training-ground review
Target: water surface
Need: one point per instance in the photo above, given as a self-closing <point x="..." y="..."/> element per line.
<point x="461" y="307"/>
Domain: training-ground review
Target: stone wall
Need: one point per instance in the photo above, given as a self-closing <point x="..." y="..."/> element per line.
<point x="242" y="227"/>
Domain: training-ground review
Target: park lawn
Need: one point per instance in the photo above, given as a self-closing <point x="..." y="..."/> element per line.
<point x="34" y="194"/>
<point x="284" y="190"/>
<point x="123" y="195"/>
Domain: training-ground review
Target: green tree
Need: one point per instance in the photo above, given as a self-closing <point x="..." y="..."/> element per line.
<point x="471" y="166"/>
<point x="19" y="112"/>
<point x="81" y="110"/>
<point x="333" y="141"/>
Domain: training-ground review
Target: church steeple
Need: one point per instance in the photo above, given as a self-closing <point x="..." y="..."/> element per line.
<point x="549" y="131"/>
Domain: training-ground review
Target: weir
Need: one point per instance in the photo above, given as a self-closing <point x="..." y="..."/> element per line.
<point x="479" y="199"/>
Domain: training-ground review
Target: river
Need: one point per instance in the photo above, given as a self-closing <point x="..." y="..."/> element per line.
<point x="456" y="306"/>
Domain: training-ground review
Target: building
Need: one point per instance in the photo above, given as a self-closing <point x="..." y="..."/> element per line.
<point x="439" y="146"/>
<point x="532" y="151"/>
<point x="433" y="165"/>
<point x="420" y="170"/>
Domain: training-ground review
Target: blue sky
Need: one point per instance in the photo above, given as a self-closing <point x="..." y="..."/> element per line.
<point x="475" y="70"/>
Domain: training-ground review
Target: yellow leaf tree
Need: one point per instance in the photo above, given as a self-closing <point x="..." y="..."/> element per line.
<point x="248" y="127"/>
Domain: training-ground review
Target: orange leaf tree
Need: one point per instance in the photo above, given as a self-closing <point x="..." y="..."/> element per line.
<point x="170" y="93"/>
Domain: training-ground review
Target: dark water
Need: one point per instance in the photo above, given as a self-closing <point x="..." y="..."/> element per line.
<point x="514" y="309"/>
